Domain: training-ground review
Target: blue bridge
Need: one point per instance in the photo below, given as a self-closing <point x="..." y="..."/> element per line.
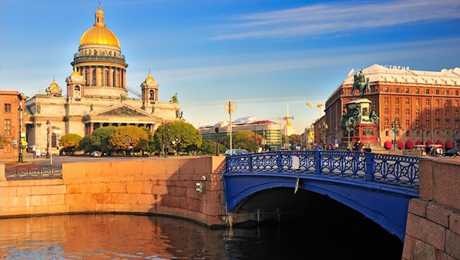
<point x="379" y="186"/>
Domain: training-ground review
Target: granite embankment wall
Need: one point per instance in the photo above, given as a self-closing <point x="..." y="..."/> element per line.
<point x="163" y="186"/>
<point x="433" y="222"/>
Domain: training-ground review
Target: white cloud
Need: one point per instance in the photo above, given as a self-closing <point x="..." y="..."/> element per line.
<point x="339" y="17"/>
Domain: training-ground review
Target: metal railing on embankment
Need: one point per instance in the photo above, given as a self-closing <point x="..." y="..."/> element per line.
<point x="374" y="167"/>
<point x="33" y="171"/>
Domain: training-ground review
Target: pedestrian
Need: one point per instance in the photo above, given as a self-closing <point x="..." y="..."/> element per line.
<point x="33" y="151"/>
<point x="358" y="146"/>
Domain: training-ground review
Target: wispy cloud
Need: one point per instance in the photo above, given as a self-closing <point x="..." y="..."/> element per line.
<point x="339" y="17"/>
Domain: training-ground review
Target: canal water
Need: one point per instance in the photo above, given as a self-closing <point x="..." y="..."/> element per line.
<point x="107" y="236"/>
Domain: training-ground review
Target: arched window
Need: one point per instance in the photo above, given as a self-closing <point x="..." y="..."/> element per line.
<point x="107" y="76"/>
<point x="76" y="91"/>
<point x="152" y="95"/>
<point x="93" y="82"/>
<point x="53" y="140"/>
<point x="87" y="77"/>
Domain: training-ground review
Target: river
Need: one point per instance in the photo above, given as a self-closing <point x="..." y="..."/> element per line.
<point x="107" y="236"/>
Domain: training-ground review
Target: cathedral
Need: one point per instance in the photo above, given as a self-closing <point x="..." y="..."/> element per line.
<point x="96" y="95"/>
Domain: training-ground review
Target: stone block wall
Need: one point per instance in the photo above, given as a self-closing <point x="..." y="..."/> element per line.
<point x="433" y="222"/>
<point x="160" y="186"/>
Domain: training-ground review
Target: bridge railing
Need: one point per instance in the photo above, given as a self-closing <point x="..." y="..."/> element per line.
<point x="383" y="168"/>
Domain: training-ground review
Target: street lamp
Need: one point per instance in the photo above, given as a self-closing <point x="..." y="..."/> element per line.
<point x="217" y="140"/>
<point x="21" y="154"/>
<point x="48" y="123"/>
<point x="395" y="126"/>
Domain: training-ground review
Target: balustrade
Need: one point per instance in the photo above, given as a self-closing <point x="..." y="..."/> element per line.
<point x="383" y="168"/>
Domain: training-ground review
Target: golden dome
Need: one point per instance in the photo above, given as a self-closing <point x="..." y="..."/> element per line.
<point x="75" y="73"/>
<point x="53" y="84"/>
<point x="149" y="78"/>
<point x="99" y="34"/>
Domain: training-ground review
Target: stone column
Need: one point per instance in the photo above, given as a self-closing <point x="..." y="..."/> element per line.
<point x="110" y="77"/>
<point x="98" y="77"/>
<point x="124" y="79"/>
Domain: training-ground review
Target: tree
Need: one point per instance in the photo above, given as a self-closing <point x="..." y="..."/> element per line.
<point x="70" y="143"/>
<point x="209" y="147"/>
<point x="244" y="140"/>
<point x="294" y="139"/>
<point x="150" y="145"/>
<point x="85" y="145"/>
<point x="178" y="135"/>
<point x="100" y="139"/>
<point x="128" y="137"/>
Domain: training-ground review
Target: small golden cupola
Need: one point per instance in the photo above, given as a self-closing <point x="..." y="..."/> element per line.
<point x="54" y="90"/>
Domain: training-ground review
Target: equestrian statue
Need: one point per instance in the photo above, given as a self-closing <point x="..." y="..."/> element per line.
<point x="360" y="84"/>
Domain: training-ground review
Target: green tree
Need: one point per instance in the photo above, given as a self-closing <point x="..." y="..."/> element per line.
<point x="150" y="145"/>
<point x="100" y="139"/>
<point x="85" y="145"/>
<point x="125" y="136"/>
<point x="244" y="140"/>
<point x="295" y="139"/>
<point x="209" y="147"/>
<point x="70" y="143"/>
<point x="179" y="135"/>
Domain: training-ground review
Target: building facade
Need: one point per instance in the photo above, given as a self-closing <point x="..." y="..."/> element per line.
<point x="96" y="95"/>
<point x="269" y="130"/>
<point x="11" y="105"/>
<point x="423" y="105"/>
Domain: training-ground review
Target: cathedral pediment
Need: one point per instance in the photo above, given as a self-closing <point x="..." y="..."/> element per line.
<point x="124" y="111"/>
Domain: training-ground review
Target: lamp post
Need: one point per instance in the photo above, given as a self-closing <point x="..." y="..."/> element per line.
<point x="349" y="127"/>
<point x="48" y="123"/>
<point x="217" y="140"/>
<point x="21" y="154"/>
<point x="325" y="127"/>
<point x="395" y="126"/>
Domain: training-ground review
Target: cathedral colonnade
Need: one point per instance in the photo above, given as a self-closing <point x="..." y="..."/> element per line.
<point x="108" y="76"/>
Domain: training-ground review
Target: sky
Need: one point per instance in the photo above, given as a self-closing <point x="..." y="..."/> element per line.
<point x="261" y="54"/>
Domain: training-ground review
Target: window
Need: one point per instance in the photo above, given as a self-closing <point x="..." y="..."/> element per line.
<point x="407" y="91"/>
<point x="447" y="103"/>
<point x="87" y="77"/>
<point x="447" y="113"/>
<point x="427" y="123"/>
<point x="437" y="91"/>
<point x="456" y="113"/>
<point x="407" y="101"/>
<point x="397" y="90"/>
<point x="152" y="95"/>
<point x="447" y="125"/>
<point x="437" y="113"/>
<point x="417" y="102"/>
<point x="417" y="123"/>
<point x="407" y="123"/>
<point x="53" y="140"/>
<point x="386" y="101"/>
<point x="456" y="92"/>
<point x="427" y="112"/>
<point x="417" y="91"/>
<point x="427" y="91"/>
<point x="7" y="108"/>
<point x="7" y="127"/>
<point x="427" y="102"/>
<point x="407" y="112"/>
<point x="457" y="103"/>
<point x="386" y="89"/>
<point x="386" y="111"/>
<point x="437" y="102"/>
<point x="397" y="101"/>
<point x="113" y="79"/>
<point x="397" y="111"/>
<point x="417" y="112"/>
<point x="93" y="80"/>
<point x="386" y="122"/>
<point x="387" y="133"/>
<point x="438" y="123"/>
<point x="447" y="92"/>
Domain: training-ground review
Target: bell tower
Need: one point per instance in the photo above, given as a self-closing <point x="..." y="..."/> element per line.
<point x="149" y="92"/>
<point x="75" y="86"/>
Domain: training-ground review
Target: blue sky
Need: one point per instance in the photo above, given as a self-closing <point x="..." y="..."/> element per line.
<point x="261" y="54"/>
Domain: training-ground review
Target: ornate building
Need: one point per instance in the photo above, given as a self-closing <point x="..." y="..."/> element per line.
<point x="96" y="94"/>
<point x="426" y="104"/>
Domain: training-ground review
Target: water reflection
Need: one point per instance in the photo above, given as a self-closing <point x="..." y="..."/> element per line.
<point x="144" y="237"/>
